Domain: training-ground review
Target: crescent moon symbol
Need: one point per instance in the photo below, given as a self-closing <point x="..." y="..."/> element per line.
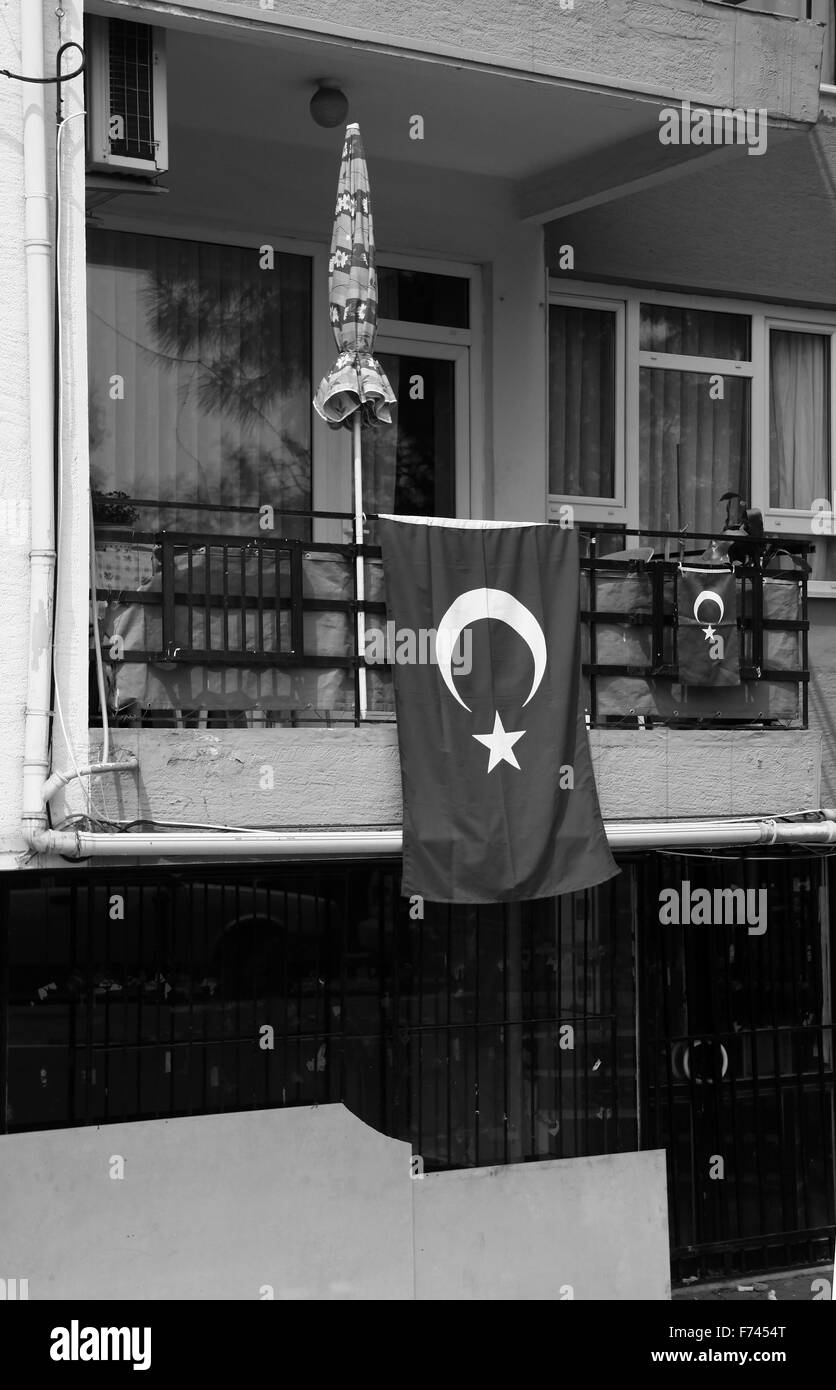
<point x="488" y="603"/>
<point x="715" y="598"/>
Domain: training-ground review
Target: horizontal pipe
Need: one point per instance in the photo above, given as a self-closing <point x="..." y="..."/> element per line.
<point x="330" y="844"/>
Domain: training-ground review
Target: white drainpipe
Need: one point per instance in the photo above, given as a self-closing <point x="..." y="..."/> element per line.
<point x="39" y="287"/>
<point x="312" y="844"/>
<point x="38" y="247"/>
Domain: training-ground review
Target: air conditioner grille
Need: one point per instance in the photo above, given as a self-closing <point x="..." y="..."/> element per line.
<point x="131" y="88"/>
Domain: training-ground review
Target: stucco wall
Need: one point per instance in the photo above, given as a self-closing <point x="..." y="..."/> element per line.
<point x="308" y="1204"/>
<point x="348" y="777"/>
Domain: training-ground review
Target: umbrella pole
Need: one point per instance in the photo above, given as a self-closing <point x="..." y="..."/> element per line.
<point x="359" y="562"/>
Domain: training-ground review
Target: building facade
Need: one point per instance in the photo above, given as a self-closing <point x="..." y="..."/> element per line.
<point x="603" y="233"/>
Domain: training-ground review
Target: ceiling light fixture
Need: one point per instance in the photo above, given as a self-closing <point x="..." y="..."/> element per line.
<point x="329" y="106"/>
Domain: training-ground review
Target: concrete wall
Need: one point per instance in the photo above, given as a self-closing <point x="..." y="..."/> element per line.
<point x="667" y="47"/>
<point x="351" y="777"/>
<point x="591" y="1228"/>
<point x="312" y="1204"/>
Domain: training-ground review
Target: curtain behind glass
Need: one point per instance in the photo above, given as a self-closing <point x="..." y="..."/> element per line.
<point x="799" y="427"/>
<point x="693" y="444"/>
<point x="214" y="356"/>
<point x="692" y="448"/>
<point x="581" y="401"/>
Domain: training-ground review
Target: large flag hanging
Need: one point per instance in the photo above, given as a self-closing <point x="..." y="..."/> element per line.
<point x="500" y="802"/>
<point x="707" y="641"/>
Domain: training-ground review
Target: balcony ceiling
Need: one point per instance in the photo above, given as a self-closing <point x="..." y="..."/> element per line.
<point x="476" y="122"/>
<point x="550" y="144"/>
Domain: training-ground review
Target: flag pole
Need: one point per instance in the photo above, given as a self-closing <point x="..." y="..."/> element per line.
<point x="360" y="572"/>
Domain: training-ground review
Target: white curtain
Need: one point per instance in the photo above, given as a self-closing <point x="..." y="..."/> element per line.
<point x="581" y="401"/>
<point x="199" y="379"/>
<point x="798" y="418"/>
<point x="693" y="447"/>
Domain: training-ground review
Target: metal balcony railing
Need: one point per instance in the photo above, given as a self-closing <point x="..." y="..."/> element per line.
<point x="223" y="630"/>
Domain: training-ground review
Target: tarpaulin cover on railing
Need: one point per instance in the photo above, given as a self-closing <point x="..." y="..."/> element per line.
<point x="185" y="683"/>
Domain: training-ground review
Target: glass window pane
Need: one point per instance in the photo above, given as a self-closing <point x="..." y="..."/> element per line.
<point x="693" y="447"/>
<point x="581" y="401"/>
<point x="799" y="418"/>
<point x="199" y="382"/>
<point x="416" y="297"/>
<point x="695" y="332"/>
<point x="409" y="466"/>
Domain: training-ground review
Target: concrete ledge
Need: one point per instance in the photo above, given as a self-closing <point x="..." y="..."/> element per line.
<point x="325" y="777"/>
<point x="711" y="53"/>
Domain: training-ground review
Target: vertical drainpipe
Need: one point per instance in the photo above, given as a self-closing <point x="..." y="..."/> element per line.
<point x="39" y="293"/>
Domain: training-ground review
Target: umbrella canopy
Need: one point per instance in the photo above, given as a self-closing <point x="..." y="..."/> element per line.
<point x="356" y="382"/>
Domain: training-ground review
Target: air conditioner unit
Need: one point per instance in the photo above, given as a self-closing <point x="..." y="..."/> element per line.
<point x="127" y="119"/>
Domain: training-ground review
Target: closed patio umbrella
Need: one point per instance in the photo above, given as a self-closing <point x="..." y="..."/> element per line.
<point x="355" y="392"/>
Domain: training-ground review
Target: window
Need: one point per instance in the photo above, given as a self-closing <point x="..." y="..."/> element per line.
<point x="710" y="397"/>
<point x="586" y="459"/>
<point x="799" y="418"/>
<point x="418" y="296"/>
<point x="201" y="386"/>
<point x="694" y="414"/>
<point x="199" y="380"/>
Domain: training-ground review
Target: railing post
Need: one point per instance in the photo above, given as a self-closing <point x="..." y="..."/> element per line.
<point x="168" y="594"/>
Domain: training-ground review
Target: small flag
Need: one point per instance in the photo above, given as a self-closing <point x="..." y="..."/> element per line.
<point x="500" y="802"/>
<point x="707" y="638"/>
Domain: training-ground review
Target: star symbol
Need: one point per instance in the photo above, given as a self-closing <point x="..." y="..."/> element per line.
<point x="709" y="632"/>
<point x="500" y="743"/>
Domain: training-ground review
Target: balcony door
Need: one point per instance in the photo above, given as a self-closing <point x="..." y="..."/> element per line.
<point x="420" y="464"/>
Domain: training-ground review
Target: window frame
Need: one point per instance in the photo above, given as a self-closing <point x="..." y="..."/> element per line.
<point x="787" y="519"/>
<point x="596" y="509"/>
<point x="763" y="317"/>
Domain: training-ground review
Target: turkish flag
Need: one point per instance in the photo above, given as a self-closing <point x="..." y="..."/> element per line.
<point x="707" y="642"/>
<point x="500" y="802"/>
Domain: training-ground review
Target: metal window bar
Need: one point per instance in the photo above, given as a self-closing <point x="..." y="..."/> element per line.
<point x="180" y="594"/>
